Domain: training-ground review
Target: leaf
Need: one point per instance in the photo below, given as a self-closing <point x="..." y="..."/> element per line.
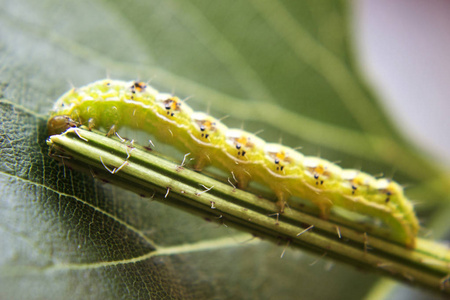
<point x="285" y="67"/>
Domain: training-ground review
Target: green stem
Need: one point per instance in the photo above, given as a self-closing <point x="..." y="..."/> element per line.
<point x="427" y="265"/>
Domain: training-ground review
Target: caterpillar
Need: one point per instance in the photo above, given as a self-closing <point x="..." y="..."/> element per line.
<point x="111" y="104"/>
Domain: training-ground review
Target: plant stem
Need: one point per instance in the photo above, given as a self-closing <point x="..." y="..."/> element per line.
<point x="138" y="170"/>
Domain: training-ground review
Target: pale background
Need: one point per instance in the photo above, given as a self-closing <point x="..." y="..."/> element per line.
<point x="405" y="47"/>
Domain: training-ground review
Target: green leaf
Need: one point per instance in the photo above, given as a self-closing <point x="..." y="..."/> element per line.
<point x="270" y="64"/>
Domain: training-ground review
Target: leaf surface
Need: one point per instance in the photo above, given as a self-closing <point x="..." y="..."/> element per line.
<point x="283" y="67"/>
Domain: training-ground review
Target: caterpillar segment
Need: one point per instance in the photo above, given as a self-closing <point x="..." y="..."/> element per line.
<point x="111" y="104"/>
<point x="208" y="136"/>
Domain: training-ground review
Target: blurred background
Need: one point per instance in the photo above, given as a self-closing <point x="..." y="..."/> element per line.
<point x="404" y="48"/>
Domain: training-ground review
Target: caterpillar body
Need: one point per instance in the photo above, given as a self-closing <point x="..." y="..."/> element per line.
<point x="111" y="104"/>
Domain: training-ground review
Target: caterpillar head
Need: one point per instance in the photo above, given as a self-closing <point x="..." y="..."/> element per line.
<point x="60" y="123"/>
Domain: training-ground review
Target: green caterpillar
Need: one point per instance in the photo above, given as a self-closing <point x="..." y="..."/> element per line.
<point x="112" y="104"/>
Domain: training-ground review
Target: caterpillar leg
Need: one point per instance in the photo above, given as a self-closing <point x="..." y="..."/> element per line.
<point x="112" y="130"/>
<point x="317" y="197"/>
<point x="242" y="178"/>
<point x="324" y="205"/>
<point x="91" y="123"/>
<point x="281" y="202"/>
<point x="201" y="161"/>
